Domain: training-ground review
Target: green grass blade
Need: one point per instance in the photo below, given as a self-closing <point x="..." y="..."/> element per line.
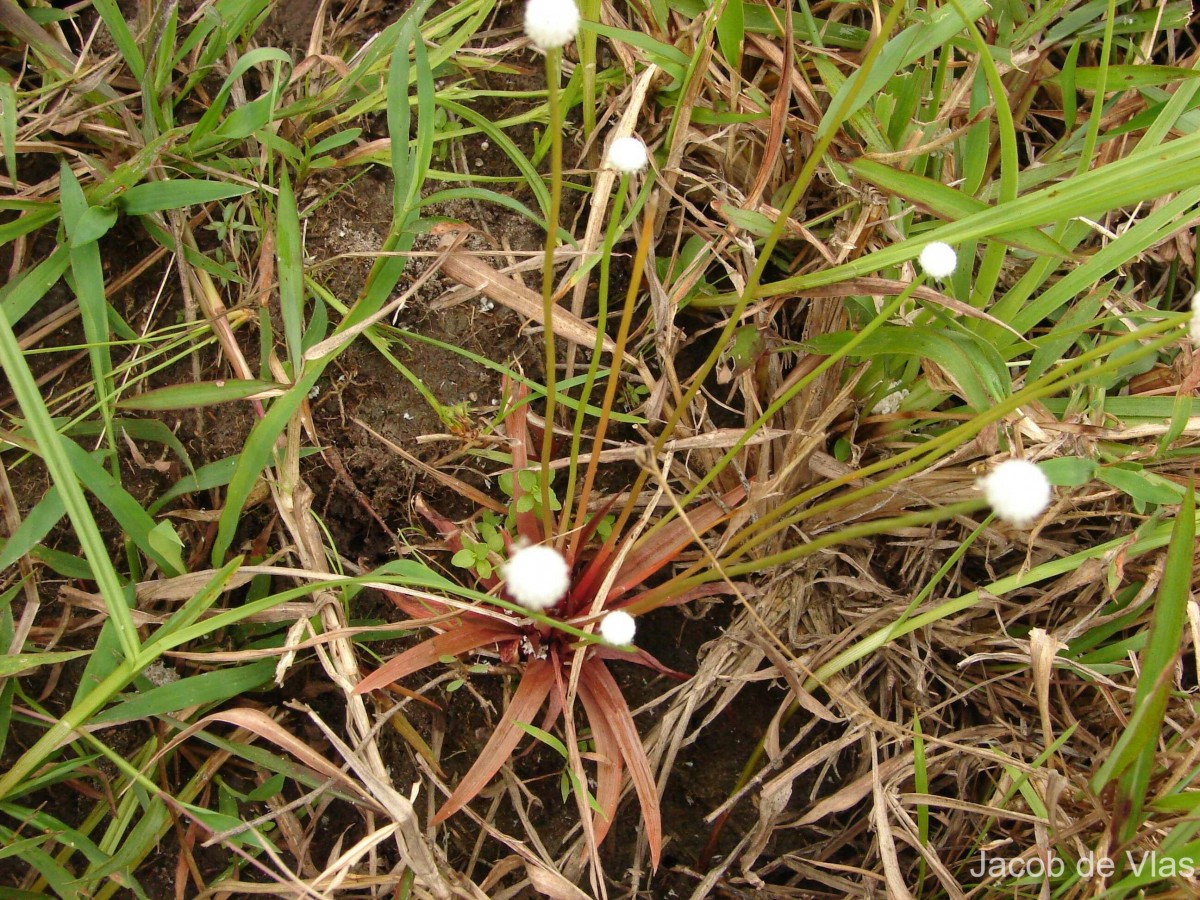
<point x="176" y="193"/>
<point x="200" y="394"/>
<point x="134" y="521"/>
<point x="54" y="451"/>
<point x="290" y="256"/>
<point x="8" y="129"/>
<point x="35" y="525"/>
<point x="1134" y="754"/>
<point x="196" y="690"/>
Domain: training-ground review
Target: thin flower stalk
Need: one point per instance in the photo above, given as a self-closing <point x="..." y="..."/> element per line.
<point x="589" y="382"/>
<point x="553" y="64"/>
<point x="807" y="172"/>
<point x="830" y="127"/>
<point x="924" y="455"/>
<point x="610" y="392"/>
<point x="785" y="398"/>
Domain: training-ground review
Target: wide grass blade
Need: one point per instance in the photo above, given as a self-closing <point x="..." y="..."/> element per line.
<point x="291" y="270"/>
<point x="200" y="394"/>
<point x="176" y="193"/>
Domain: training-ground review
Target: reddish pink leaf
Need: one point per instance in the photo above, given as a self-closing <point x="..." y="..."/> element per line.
<point x="633" y="605"/>
<point x="530" y="695"/>
<point x="642" y="658"/>
<point x="646" y="558"/>
<point x="612" y="706"/>
<point x="451" y="643"/>
<point x="609" y="768"/>
<point x="516" y="426"/>
<point x="419" y="608"/>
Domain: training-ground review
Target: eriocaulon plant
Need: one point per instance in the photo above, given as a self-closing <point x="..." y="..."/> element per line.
<point x="538" y="613"/>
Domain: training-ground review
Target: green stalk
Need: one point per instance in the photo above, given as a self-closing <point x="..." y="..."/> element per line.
<point x="925" y="454"/>
<point x="830" y="126"/>
<point x="590" y="12"/>
<point x="828" y="130"/>
<point x="610" y="239"/>
<point x="49" y="443"/>
<point x="78" y="715"/>
<point x="652" y="599"/>
<point x="610" y="390"/>
<point x="553" y="64"/>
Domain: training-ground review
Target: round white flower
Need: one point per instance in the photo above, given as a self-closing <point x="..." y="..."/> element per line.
<point x="618" y="628"/>
<point x="627" y="155"/>
<point x="1018" y="491"/>
<point x="889" y="404"/>
<point x="551" y="24"/>
<point x="537" y="576"/>
<point x="938" y="260"/>
<point x="1194" y="325"/>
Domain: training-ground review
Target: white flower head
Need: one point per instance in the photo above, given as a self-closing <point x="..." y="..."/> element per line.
<point x="618" y="628"/>
<point x="889" y="404"/>
<point x="1018" y="491"/>
<point x="938" y="260"/>
<point x="627" y="155"/>
<point x="551" y="24"/>
<point x="1194" y="324"/>
<point x="537" y="576"/>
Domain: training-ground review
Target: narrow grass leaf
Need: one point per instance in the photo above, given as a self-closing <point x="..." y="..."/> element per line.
<point x="35" y="525"/>
<point x="196" y="690"/>
<point x="731" y="31"/>
<point x="167" y="636"/>
<point x="1135" y="748"/>
<point x="255" y="456"/>
<point x="8" y="129"/>
<point x="14" y="664"/>
<point x="54" y="450"/>
<point x="29" y="221"/>
<point x="134" y="521"/>
<point x="947" y="203"/>
<point x="22" y="293"/>
<point x="290" y="257"/>
<point x="176" y="193"/>
<point x="203" y="132"/>
<point x="200" y="394"/>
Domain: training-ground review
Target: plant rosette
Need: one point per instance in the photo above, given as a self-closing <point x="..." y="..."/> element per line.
<point x="548" y="601"/>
